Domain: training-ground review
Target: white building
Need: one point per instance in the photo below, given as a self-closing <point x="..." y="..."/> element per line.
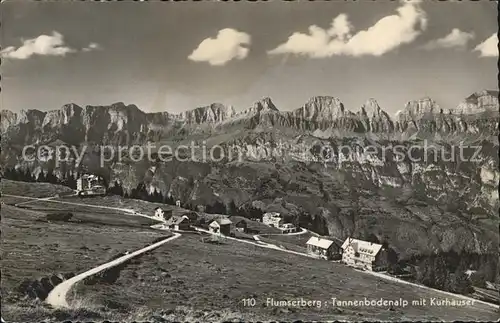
<point x="321" y="248"/>
<point x="178" y="223"/>
<point x="288" y="228"/>
<point x="159" y="213"/>
<point x="89" y="184"/>
<point x="220" y="226"/>
<point x="363" y="254"/>
<point x="86" y="182"/>
<point x="273" y="219"/>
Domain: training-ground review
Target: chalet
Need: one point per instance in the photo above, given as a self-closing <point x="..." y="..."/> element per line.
<point x="363" y="254"/>
<point x="159" y="213"/>
<point x="89" y="184"/>
<point x="86" y="181"/>
<point x="273" y="219"/>
<point x="287" y="228"/>
<point x="221" y="226"/>
<point x="192" y="215"/>
<point x="322" y="248"/>
<point x="241" y="226"/>
<point x="178" y="223"/>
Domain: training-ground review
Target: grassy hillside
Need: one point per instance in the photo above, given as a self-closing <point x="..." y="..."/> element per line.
<point x="186" y="279"/>
<point x="188" y="273"/>
<point x="33" y="189"/>
<point x="33" y="248"/>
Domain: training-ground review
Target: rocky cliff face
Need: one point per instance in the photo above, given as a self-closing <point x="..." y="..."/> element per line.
<point x="479" y="102"/>
<point x="427" y="200"/>
<point x="478" y="113"/>
<point x="126" y="124"/>
<point x="375" y="119"/>
<point x="213" y="113"/>
<point x="115" y="124"/>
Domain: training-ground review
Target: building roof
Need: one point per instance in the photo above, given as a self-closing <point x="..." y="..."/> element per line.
<point x="362" y="246"/>
<point x="176" y="220"/>
<point x="272" y="215"/>
<point x="220" y="222"/>
<point x="319" y="242"/>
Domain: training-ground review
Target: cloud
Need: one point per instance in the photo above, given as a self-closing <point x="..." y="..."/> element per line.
<point x="385" y="35"/>
<point x="43" y="45"/>
<point x="91" y="47"/>
<point x="228" y="45"/>
<point x="456" y="38"/>
<point x="488" y="48"/>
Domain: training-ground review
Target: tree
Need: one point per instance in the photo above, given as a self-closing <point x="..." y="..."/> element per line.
<point x="140" y="192"/>
<point x="116" y="189"/>
<point x="440" y="272"/>
<point x="478" y="279"/>
<point x="8" y="174"/>
<point x="217" y="208"/>
<point x="71" y="182"/>
<point x="370" y="237"/>
<point x="41" y="177"/>
<point x="156" y="196"/>
<point x="393" y="265"/>
<point x="232" y="209"/>
<point x="462" y="284"/>
<point x="51" y="178"/>
<point x="425" y="272"/>
<point x="27" y="176"/>
<point x="168" y="199"/>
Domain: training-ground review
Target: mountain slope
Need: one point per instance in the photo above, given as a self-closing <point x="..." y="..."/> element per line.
<point x="332" y="169"/>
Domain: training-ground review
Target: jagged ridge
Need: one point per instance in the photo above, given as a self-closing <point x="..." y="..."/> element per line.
<point x="120" y="123"/>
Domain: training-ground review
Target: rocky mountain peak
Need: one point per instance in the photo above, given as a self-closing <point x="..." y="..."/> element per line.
<point x="71" y="107"/>
<point x="371" y="108"/>
<point x="416" y="109"/>
<point x="374" y="118"/>
<point x="7" y="119"/>
<point x="321" y="108"/>
<point x="213" y="113"/>
<point x="31" y="116"/>
<point x="118" y="122"/>
<point x="63" y="116"/>
<point x="478" y="102"/>
<point x="265" y="104"/>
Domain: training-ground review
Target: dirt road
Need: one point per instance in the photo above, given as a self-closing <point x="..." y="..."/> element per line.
<point x="57" y="297"/>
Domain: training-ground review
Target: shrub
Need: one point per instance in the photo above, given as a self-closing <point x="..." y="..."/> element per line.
<point x="61" y="216"/>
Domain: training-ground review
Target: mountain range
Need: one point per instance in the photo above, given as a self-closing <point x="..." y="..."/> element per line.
<point x="324" y="115"/>
<point x="417" y="205"/>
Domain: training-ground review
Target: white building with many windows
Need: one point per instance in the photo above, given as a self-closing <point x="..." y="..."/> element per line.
<point x="273" y="219"/>
<point x="363" y="254"/>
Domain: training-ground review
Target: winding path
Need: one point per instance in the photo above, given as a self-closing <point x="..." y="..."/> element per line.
<point x="50" y="199"/>
<point x="257" y="243"/>
<point x="302" y="231"/>
<point x="57" y="297"/>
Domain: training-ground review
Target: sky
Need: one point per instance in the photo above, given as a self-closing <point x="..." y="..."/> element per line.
<point x="176" y="56"/>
